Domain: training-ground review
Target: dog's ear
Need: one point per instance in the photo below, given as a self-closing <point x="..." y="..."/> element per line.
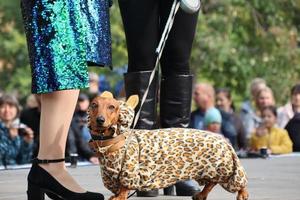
<point x="107" y="94"/>
<point x="133" y="101"/>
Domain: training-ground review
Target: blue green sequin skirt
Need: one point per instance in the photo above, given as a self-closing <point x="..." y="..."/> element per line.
<point x="64" y="37"/>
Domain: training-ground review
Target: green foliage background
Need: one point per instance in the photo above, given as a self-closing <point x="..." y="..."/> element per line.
<point x="236" y="41"/>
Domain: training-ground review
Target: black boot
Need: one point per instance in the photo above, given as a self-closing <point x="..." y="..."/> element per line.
<point x="136" y="83"/>
<point x="175" y="108"/>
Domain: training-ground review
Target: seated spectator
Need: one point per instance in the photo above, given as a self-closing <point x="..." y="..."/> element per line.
<point x="248" y="108"/>
<point x="267" y="135"/>
<point x="232" y="126"/>
<point x="16" y="139"/>
<point x="77" y="145"/>
<point x="293" y="128"/>
<point x="286" y="112"/>
<point x="264" y="97"/>
<point x="204" y="97"/>
<point x="93" y="90"/>
<point x="32" y="101"/>
<point x="81" y="116"/>
<point x="213" y="120"/>
<point x="79" y="134"/>
<point x="30" y="116"/>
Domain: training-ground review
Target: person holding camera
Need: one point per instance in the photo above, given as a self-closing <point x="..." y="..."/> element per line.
<point x="16" y="139"/>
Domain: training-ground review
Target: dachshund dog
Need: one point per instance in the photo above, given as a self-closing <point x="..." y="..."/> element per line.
<point x="132" y="159"/>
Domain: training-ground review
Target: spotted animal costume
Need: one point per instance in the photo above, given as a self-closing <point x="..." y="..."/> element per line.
<point x="152" y="159"/>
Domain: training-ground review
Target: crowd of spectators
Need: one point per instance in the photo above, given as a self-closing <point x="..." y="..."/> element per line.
<point x="257" y="124"/>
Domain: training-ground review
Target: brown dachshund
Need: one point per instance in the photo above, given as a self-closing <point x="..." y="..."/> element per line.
<point x="133" y="159"/>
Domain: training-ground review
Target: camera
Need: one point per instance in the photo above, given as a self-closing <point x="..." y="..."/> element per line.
<point x="22" y="131"/>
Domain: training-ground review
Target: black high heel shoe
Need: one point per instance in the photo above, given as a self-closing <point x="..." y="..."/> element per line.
<point x="40" y="182"/>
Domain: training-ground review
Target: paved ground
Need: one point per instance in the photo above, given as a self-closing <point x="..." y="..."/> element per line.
<point x="271" y="179"/>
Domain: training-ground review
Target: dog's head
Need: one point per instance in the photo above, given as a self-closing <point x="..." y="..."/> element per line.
<point x="108" y="116"/>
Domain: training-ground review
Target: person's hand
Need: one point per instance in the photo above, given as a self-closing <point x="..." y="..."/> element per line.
<point x="261" y="131"/>
<point x="269" y="151"/>
<point x="28" y="137"/>
<point x="94" y="160"/>
<point x="13" y="132"/>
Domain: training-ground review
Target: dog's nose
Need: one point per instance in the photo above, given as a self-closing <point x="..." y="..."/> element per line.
<point x="100" y="120"/>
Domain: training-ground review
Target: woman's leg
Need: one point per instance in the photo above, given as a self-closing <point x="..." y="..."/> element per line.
<point x="57" y="110"/>
<point x="141" y="25"/>
<point x="177" y="52"/>
<point x="175" y="104"/>
<point x="141" y="22"/>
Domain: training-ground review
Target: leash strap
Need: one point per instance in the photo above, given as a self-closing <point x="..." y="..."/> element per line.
<point x="159" y="51"/>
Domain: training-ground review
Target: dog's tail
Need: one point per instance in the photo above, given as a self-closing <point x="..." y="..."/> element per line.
<point x="238" y="180"/>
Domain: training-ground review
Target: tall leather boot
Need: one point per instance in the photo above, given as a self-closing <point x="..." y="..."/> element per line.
<point x="136" y="83"/>
<point x="175" y="108"/>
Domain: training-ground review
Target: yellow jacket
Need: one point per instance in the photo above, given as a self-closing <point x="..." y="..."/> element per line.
<point x="277" y="140"/>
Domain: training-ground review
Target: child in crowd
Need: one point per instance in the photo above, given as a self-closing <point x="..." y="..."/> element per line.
<point x="267" y="135"/>
<point x="213" y="120"/>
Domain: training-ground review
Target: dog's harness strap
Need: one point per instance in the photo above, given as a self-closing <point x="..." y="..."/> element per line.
<point x="116" y="146"/>
<point x="103" y="143"/>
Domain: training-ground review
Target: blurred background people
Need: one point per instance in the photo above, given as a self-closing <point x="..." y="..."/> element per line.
<point x="31" y="117"/>
<point x="204" y="98"/>
<point x="248" y="111"/>
<point x="293" y="128"/>
<point x="264" y="97"/>
<point x="232" y="125"/>
<point x="16" y="139"/>
<point x="93" y="90"/>
<point x="287" y="112"/>
<point x="213" y="120"/>
<point x="269" y="136"/>
<point x="79" y="135"/>
<point x="76" y="145"/>
<point x="81" y="116"/>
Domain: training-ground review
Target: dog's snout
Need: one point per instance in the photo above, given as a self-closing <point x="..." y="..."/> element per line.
<point x="100" y="120"/>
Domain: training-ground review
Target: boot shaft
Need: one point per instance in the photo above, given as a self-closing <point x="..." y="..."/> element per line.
<point x="137" y="83"/>
<point x="175" y="101"/>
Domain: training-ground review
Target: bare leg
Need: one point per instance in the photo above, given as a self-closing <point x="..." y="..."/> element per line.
<point x="121" y="196"/>
<point x="203" y="194"/>
<point x="243" y="194"/>
<point x="57" y="109"/>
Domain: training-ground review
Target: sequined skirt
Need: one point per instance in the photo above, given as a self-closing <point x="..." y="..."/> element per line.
<point x="64" y="37"/>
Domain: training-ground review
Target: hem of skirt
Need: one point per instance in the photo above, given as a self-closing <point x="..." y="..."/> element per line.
<point x="91" y="63"/>
<point x="58" y="89"/>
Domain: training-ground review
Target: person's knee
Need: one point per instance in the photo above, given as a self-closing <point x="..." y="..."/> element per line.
<point x="141" y="59"/>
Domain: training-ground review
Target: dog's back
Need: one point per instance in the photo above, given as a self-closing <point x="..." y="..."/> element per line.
<point x="168" y="155"/>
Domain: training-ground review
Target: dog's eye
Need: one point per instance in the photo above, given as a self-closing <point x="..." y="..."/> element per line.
<point x="111" y="107"/>
<point x="94" y="105"/>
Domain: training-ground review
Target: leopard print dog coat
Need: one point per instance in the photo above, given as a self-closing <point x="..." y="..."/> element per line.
<point x="152" y="159"/>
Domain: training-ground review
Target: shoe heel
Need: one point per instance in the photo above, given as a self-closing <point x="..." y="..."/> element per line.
<point x="35" y="193"/>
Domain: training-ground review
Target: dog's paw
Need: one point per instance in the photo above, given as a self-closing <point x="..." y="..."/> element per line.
<point x="113" y="198"/>
<point x="243" y="195"/>
<point x="199" y="196"/>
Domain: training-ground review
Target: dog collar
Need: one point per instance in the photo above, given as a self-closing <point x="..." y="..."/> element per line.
<point x="100" y="137"/>
<point x="115" y="143"/>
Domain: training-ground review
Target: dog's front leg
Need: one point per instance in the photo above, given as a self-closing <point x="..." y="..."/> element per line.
<point x="122" y="194"/>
